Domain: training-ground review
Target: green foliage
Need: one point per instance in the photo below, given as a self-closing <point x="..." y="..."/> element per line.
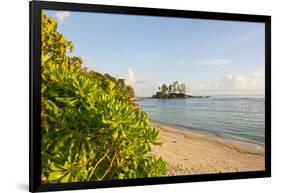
<point x="174" y="90"/>
<point x="111" y="85"/>
<point x="91" y="129"/>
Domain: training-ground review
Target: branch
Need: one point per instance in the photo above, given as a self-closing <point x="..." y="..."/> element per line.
<point x="110" y="166"/>
<point x="102" y="158"/>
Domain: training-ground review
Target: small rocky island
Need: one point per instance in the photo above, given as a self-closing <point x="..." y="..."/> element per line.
<point x="173" y="91"/>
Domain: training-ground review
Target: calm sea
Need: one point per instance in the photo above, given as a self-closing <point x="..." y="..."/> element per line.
<point x="236" y="117"/>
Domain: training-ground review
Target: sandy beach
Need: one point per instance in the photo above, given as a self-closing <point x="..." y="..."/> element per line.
<point x="188" y="152"/>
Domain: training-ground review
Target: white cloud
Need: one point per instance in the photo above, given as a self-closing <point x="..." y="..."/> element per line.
<point x="141" y="87"/>
<point x="214" y="62"/>
<point x="130" y="79"/>
<point x="61" y="16"/>
<point x="259" y="74"/>
<point x="201" y="86"/>
<point x="88" y="63"/>
<point x="145" y="88"/>
<point x="238" y="82"/>
<point x="230" y="84"/>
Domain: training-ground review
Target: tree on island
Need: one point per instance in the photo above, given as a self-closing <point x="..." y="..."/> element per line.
<point x="164" y="88"/>
<point x="170" y="89"/>
<point x="182" y="88"/>
<point x="174" y="90"/>
<point x="174" y="85"/>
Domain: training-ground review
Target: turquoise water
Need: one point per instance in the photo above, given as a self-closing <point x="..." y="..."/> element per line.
<point x="240" y="118"/>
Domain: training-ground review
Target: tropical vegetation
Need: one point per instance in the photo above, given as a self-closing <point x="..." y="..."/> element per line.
<point x="174" y="90"/>
<point x="91" y="128"/>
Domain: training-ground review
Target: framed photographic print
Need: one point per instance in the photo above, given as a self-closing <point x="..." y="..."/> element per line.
<point x="125" y="96"/>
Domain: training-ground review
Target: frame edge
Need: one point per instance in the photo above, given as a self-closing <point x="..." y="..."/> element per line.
<point x="34" y="97"/>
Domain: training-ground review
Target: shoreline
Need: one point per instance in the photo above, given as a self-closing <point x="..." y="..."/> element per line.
<point x="189" y="152"/>
<point x="242" y="141"/>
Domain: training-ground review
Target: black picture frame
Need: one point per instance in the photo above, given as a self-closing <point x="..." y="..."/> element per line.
<point x="35" y="94"/>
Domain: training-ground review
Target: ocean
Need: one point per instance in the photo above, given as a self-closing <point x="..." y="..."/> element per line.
<point x="239" y="118"/>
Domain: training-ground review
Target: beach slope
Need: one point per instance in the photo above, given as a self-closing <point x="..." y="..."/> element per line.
<point x="189" y="153"/>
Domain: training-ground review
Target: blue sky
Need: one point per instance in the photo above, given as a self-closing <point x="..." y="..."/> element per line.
<point x="211" y="57"/>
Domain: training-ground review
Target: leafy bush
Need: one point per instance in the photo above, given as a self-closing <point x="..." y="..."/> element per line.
<point x="91" y="129"/>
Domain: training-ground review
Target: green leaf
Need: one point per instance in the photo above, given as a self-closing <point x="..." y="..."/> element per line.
<point x="55" y="175"/>
<point x="65" y="178"/>
<point x="56" y="167"/>
<point x="115" y="134"/>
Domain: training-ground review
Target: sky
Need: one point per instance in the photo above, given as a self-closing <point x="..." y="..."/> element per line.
<point x="211" y="57"/>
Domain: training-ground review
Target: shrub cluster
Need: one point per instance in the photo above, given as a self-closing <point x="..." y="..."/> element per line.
<point x="91" y="129"/>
